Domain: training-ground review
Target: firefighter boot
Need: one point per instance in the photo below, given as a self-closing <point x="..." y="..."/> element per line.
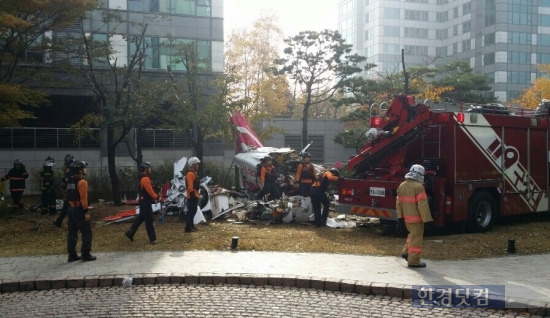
<point x="73" y="258"/>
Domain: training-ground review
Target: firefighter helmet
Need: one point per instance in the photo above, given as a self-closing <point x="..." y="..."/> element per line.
<point x="418" y="169"/>
<point x="18" y="162"/>
<point x="306" y="154"/>
<point x="268" y="158"/>
<point x="143" y="166"/>
<point x="77" y="165"/>
<point x="69" y="158"/>
<point x="49" y="162"/>
<point x="335" y="172"/>
<point x="193" y="160"/>
<point x="416" y="173"/>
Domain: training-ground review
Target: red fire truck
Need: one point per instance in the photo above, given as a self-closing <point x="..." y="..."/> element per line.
<point x="479" y="164"/>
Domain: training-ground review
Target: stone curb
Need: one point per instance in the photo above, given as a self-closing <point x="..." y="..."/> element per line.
<point x="346" y="286"/>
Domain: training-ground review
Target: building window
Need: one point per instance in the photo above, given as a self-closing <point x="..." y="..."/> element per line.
<point x="440" y="2"/>
<point x="455" y="48"/>
<point x="442" y="16"/>
<point x="466" y="27"/>
<point x="416" y="15"/>
<point x="520" y="13"/>
<point x="441" y="51"/>
<point x="391" y="31"/>
<point x="544" y="3"/>
<point x="441" y="34"/>
<point x="366" y="35"/>
<point x="466" y="45"/>
<point x="490" y="77"/>
<point x="367" y="18"/>
<point x="187" y="7"/>
<point x="519" y="38"/>
<point x="489" y="58"/>
<point x="519" y="77"/>
<point x="455" y="30"/>
<point x="391" y="13"/>
<point x="523" y="58"/>
<point x="416" y="50"/>
<point x="391" y="49"/>
<point x="163" y="52"/>
<point x="489" y="39"/>
<point x="455" y="12"/>
<point x="416" y="33"/>
<point x="544" y="40"/>
<point x="467" y="8"/>
<point x="544" y="20"/>
<point x="543" y="58"/>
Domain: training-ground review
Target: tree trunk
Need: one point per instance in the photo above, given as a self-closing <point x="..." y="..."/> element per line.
<point x="139" y="147"/>
<point x="305" y="115"/>
<point x="200" y="151"/>
<point x="115" y="182"/>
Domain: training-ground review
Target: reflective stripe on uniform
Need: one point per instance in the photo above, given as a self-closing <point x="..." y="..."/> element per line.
<point x="415" y="249"/>
<point x="413" y="219"/>
<point x="413" y="199"/>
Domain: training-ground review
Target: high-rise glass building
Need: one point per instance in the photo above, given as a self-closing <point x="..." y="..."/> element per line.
<point x="504" y="39"/>
<point x="169" y="22"/>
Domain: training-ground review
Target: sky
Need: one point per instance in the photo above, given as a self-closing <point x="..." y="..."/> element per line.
<point x="294" y="15"/>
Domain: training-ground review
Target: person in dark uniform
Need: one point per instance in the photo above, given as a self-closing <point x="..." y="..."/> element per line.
<point x="192" y="182"/>
<point x="17" y="176"/>
<point x="65" y="175"/>
<point x="147" y="197"/>
<point x="268" y="178"/>
<point x="47" y="202"/>
<point x="305" y="175"/>
<point x="79" y="218"/>
<point x="318" y="196"/>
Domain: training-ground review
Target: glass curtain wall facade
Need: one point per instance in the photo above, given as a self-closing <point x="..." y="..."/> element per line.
<point x="170" y="22"/>
<point x="504" y="39"/>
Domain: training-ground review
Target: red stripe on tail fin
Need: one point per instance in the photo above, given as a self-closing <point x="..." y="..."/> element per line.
<point x="245" y="138"/>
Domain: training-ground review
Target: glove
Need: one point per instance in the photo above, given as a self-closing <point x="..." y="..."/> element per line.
<point x="400" y="225"/>
<point x="86" y="215"/>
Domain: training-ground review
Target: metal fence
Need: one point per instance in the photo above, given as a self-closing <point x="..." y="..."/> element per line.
<point x="53" y="138"/>
<point x="46" y="138"/>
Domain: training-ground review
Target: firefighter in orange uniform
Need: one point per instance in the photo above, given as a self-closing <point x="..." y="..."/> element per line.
<point x="305" y="175"/>
<point x="268" y="177"/>
<point x="79" y="218"/>
<point x="147" y="197"/>
<point x="413" y="210"/>
<point x="192" y="182"/>
<point x="318" y="196"/>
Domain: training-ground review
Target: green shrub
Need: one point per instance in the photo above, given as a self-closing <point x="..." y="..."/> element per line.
<point x="221" y="175"/>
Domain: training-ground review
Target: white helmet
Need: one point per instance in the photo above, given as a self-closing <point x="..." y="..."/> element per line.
<point x="193" y="160"/>
<point x="418" y="169"/>
<point x="416" y="173"/>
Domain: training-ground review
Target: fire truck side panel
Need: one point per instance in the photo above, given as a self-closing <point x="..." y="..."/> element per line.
<point x="502" y="147"/>
<point x="486" y="160"/>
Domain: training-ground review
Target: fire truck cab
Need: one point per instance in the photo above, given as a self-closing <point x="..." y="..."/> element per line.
<point x="479" y="166"/>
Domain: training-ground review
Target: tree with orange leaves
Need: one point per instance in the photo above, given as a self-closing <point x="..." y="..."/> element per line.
<point x="533" y="95"/>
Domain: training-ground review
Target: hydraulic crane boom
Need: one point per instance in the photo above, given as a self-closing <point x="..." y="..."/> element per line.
<point x="403" y="122"/>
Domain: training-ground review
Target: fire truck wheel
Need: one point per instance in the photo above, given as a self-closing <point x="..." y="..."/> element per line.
<point x="482" y="212"/>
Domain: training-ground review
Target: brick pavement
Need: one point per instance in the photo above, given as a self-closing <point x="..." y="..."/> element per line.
<point x="191" y="300"/>
<point x="527" y="278"/>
